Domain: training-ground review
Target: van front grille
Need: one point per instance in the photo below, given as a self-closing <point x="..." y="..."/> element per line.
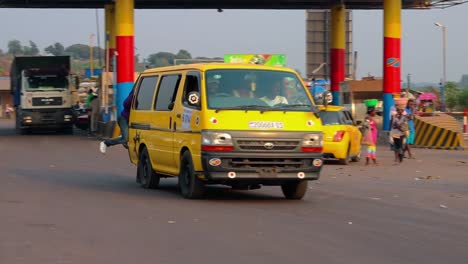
<point x="268" y="145"/>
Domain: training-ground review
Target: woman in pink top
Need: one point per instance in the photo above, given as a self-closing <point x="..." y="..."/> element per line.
<point x="371" y="136"/>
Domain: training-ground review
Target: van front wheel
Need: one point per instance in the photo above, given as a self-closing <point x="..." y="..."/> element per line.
<point x="294" y="190"/>
<point x="190" y="186"/>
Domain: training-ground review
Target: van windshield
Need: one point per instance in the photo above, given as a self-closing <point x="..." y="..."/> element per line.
<point x="263" y="90"/>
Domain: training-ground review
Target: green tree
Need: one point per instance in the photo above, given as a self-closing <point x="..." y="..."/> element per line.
<point x="463" y="98"/>
<point x="183" y="54"/>
<point x="161" y="59"/>
<point x="14" y="47"/>
<point x="57" y="49"/>
<point x="78" y="51"/>
<point x="452" y="92"/>
<point x="31" y="50"/>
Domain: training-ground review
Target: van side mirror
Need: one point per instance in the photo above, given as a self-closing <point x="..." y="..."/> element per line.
<point x="327" y="98"/>
<point x="193" y="99"/>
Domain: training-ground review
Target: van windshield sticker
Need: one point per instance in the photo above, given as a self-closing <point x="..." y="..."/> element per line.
<point x="186" y="118"/>
<point x="266" y="124"/>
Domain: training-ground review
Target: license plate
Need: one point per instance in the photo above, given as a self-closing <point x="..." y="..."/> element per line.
<point x="266" y="124"/>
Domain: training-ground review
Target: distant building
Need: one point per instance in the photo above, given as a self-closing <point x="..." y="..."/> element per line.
<point x="5" y="95"/>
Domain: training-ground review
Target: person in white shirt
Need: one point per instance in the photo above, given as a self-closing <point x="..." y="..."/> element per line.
<point x="274" y="97"/>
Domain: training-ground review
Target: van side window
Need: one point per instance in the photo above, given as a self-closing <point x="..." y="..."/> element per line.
<point x="192" y="84"/>
<point x="167" y="92"/>
<point x="144" y="98"/>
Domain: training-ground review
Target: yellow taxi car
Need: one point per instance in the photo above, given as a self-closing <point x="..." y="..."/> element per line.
<point x="342" y="138"/>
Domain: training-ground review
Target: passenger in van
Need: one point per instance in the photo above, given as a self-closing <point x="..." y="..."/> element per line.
<point x="244" y="90"/>
<point x="274" y="95"/>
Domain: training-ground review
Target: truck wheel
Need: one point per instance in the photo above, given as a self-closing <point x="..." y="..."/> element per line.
<point x="23" y="131"/>
<point x="68" y="130"/>
<point x="294" y="190"/>
<point x="190" y="186"/>
<point x="19" y="130"/>
<point x="146" y="176"/>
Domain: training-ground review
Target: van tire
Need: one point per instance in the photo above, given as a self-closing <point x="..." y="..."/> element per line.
<point x="190" y="186"/>
<point x="294" y="190"/>
<point x="146" y="176"/>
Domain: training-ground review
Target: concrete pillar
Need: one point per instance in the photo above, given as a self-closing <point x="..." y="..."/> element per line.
<point x="125" y="50"/>
<point x="392" y="57"/>
<point x="337" y="50"/>
<point x="110" y="33"/>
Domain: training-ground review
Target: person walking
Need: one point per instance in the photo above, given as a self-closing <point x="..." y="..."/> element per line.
<point x="410" y="111"/>
<point x="399" y="127"/>
<point x="123" y="124"/>
<point x="8" y="111"/>
<point x="371" y="136"/>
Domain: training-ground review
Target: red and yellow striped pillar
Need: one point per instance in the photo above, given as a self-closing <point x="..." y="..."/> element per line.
<point x="392" y="57"/>
<point x="337" y="50"/>
<point x="125" y="50"/>
<point x="110" y="32"/>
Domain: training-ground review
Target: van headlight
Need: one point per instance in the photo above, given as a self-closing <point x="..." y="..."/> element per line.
<point x="216" y="141"/>
<point x="312" y="142"/>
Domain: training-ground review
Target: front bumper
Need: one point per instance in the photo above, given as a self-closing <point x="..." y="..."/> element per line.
<point x="47" y="118"/>
<point x="271" y="167"/>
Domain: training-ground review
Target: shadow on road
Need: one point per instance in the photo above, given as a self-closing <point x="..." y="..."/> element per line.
<point x="122" y="184"/>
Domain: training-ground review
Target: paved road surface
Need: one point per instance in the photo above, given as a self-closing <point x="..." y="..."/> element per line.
<point x="63" y="202"/>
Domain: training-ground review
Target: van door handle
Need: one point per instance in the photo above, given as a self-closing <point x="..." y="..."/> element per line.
<point x="175" y="126"/>
<point x="178" y="115"/>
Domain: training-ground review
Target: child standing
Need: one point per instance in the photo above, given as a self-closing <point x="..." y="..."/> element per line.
<point x="370" y="138"/>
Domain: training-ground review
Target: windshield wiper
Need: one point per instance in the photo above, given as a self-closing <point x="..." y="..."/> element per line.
<point x="313" y="108"/>
<point x="292" y="105"/>
<point x="260" y="108"/>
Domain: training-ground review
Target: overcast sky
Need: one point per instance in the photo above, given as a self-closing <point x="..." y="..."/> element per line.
<point x="209" y="33"/>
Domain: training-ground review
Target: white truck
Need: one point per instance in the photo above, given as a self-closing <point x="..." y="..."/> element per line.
<point x="42" y="93"/>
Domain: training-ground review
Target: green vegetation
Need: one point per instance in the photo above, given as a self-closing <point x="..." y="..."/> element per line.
<point x="80" y="54"/>
<point x="456" y="97"/>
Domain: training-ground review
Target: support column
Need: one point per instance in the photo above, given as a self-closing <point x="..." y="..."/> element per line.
<point x="110" y="33"/>
<point x="125" y="50"/>
<point x="392" y="57"/>
<point x="337" y="50"/>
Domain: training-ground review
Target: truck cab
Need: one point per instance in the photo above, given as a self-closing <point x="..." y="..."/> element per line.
<point x="42" y="94"/>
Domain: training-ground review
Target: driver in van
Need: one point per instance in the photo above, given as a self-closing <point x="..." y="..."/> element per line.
<point x="274" y="96"/>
